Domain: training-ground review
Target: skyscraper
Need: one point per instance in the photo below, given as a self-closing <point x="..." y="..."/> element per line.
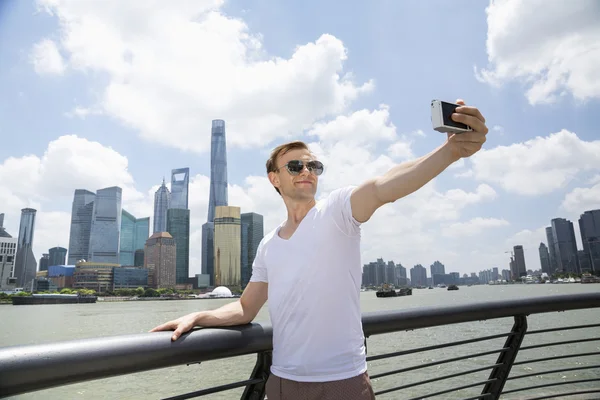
<point x="160" y="252"/>
<point x="589" y="226"/>
<point x="58" y="256"/>
<point x="418" y="275"/>
<point x="134" y="233"/>
<point x="178" y="225"/>
<point x="44" y="262"/>
<point x="565" y="246"/>
<point x="208" y="264"/>
<point x="544" y="258"/>
<point x="162" y="198"/>
<point x="106" y="226"/>
<point x="227" y="251"/>
<point x="81" y="225"/>
<point x="218" y="169"/>
<point x="25" y="264"/>
<point x="521" y="269"/>
<point x="252" y="234"/>
<point x="180" y="182"/>
<point x="217" y="195"/>
<point x="551" y="250"/>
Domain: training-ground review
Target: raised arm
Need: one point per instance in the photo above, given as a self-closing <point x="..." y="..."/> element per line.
<point x="239" y="312"/>
<point x="408" y="177"/>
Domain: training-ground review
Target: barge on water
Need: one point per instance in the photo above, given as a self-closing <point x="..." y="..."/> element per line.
<point x="52" y="299"/>
<point x="389" y="291"/>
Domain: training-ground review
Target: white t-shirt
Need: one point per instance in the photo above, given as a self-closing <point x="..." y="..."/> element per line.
<point x="314" y="287"/>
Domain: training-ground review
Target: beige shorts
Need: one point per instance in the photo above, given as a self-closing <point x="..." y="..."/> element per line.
<point x="356" y="388"/>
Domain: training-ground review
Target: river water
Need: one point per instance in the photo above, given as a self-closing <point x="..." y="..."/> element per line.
<point x="22" y="325"/>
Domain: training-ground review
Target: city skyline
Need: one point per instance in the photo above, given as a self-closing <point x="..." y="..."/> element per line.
<point x="99" y="119"/>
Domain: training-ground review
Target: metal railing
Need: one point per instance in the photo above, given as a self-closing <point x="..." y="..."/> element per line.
<point x="36" y="367"/>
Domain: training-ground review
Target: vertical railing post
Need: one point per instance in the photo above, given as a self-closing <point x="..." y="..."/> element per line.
<point x="506" y="358"/>
<point x="261" y="370"/>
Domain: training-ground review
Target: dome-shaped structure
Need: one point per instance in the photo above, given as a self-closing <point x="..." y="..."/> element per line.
<point x="221" y="291"/>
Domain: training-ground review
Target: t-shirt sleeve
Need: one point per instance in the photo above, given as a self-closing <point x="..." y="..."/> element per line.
<point x="341" y="210"/>
<point x="259" y="269"/>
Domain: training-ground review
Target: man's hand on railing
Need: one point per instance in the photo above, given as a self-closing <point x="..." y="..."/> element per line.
<point x="180" y="325"/>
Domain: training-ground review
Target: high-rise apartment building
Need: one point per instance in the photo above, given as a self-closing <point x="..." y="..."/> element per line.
<point x="218" y="193"/>
<point x="162" y="199"/>
<point x="81" y="225"/>
<point x="252" y="234"/>
<point x="565" y="246"/>
<point x="521" y="269"/>
<point x="8" y="251"/>
<point x="178" y="225"/>
<point x="438" y="272"/>
<point x="589" y="226"/>
<point x="134" y="233"/>
<point x="418" y="275"/>
<point x="160" y="258"/>
<point x="25" y="263"/>
<point x="227" y="251"/>
<point x="58" y="256"/>
<point x="544" y="258"/>
<point x="106" y="226"/>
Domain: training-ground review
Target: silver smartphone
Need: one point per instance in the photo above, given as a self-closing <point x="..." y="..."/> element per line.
<point x="441" y="112"/>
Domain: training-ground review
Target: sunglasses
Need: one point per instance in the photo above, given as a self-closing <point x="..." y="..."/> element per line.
<point x="295" y="167"/>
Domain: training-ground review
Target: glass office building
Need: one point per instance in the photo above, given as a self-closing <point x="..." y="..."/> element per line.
<point x="178" y="225"/>
<point x="227" y="246"/>
<point x="134" y="233"/>
<point x="106" y="226"/>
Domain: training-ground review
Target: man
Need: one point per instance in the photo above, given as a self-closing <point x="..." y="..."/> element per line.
<point x="309" y="268"/>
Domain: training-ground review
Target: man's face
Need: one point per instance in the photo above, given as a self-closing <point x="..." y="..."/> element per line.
<point x="302" y="186"/>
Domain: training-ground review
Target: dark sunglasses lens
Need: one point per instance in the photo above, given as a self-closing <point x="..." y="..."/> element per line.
<point x="295" y="166"/>
<point x="316" y="167"/>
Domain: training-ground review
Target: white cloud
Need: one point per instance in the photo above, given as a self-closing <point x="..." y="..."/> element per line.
<point x="46" y="58"/>
<point x="473" y="227"/>
<point x="581" y="199"/>
<point x="175" y="66"/>
<point x="537" y="166"/>
<point x="68" y="163"/>
<point x="551" y="46"/>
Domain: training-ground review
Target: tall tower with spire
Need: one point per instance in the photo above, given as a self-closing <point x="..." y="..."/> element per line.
<point x="218" y="193"/>
<point x="162" y="199"/>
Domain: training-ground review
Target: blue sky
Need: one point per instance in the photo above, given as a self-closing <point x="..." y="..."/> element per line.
<point x="136" y="87"/>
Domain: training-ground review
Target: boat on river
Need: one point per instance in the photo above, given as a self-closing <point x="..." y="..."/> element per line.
<point x="388" y="290"/>
<point x="53" y="299"/>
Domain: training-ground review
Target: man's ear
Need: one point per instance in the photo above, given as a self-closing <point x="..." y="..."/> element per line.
<point x="274" y="179"/>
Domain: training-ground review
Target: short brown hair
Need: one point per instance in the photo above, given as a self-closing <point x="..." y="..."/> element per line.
<point x="281" y="150"/>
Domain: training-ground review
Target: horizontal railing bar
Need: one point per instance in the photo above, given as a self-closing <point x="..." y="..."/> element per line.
<point x="566" y="328"/>
<point x="453" y="389"/>
<point x="215" y="389"/>
<point x="36" y="367"/>
<point x="553" y="371"/>
<point x="431" y="364"/>
<point x="537" y="346"/>
<point x="436" y="347"/>
<point x="550" y="385"/>
<point x="557" y="358"/>
<point x="554" y="395"/>
<point x="439" y="378"/>
<point x="425" y="317"/>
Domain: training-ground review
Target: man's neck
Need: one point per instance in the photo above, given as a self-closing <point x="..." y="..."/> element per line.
<point x="297" y="210"/>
